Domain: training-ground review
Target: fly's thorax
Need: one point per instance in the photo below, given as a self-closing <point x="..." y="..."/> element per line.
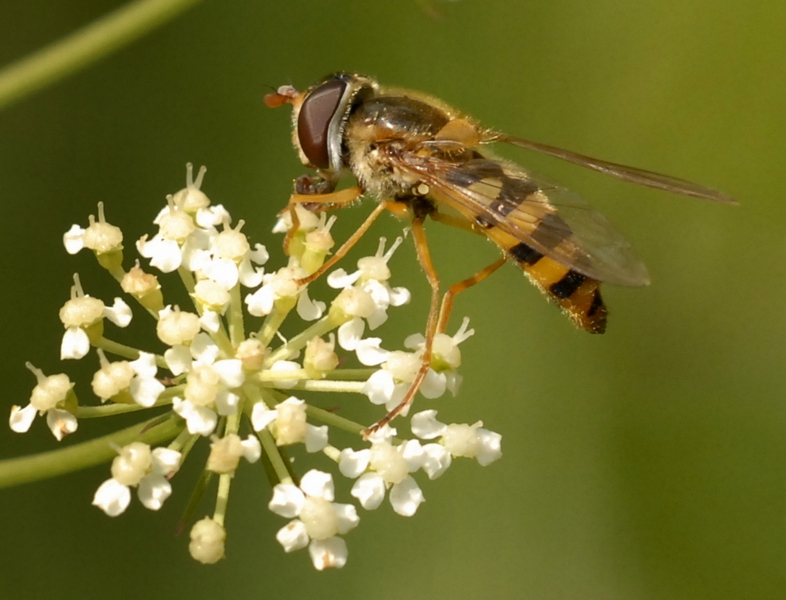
<point x="371" y="158"/>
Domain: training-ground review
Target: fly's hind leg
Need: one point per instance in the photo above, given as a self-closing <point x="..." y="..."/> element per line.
<point x="456" y="288"/>
<point x="439" y="312"/>
<point x="447" y="300"/>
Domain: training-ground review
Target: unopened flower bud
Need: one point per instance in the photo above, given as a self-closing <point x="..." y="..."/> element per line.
<point x="144" y="287"/>
<point x="207" y="541"/>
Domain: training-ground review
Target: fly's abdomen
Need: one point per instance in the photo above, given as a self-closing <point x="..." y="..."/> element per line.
<point x="577" y="295"/>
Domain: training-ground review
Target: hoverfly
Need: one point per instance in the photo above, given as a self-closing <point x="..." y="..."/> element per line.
<point x="420" y="157"/>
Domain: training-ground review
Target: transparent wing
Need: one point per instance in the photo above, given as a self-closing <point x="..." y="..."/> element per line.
<point x="625" y="173"/>
<point x="545" y="216"/>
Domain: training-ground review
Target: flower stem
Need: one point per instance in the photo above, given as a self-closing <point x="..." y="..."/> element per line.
<point x="330" y="418"/>
<point x="235" y="317"/>
<point x="298" y="342"/>
<point x="85" y="46"/>
<point x="16" y="471"/>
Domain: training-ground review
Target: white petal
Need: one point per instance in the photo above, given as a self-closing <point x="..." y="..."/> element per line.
<point x="309" y="310"/>
<point x="490" y="447"/>
<point x="434" y="384"/>
<point x="153" y="490"/>
<point x="223" y="271"/>
<point x="210" y="321"/>
<point x="75" y="343"/>
<point x="261" y="416"/>
<point x="199" y="419"/>
<point x="166" y="461"/>
<point x="195" y="259"/>
<point x="21" y="418"/>
<point x="399" y="391"/>
<point x="351" y="463"/>
<point x="165" y="255"/>
<point x="226" y="403"/>
<point x="379" y="387"/>
<point x="405" y="497"/>
<point x="61" y="423"/>
<point x="283" y="366"/>
<point x="252" y="449"/>
<point x="293" y="536"/>
<point x="231" y="372"/>
<point x="339" y="279"/>
<point x="260" y="303"/>
<point x="212" y="216"/>
<point x="112" y="497"/>
<point x="259" y="254"/>
<point x="178" y="359"/>
<point x="425" y="425"/>
<point x="287" y="500"/>
<point x="414" y="341"/>
<point x="318" y="484"/>
<point x="120" y="313"/>
<point x="383" y="434"/>
<point x="348" y="517"/>
<point x="316" y="437"/>
<point x="145" y="390"/>
<point x="369" y="352"/>
<point x="248" y="275"/>
<point x="412" y="452"/>
<point x="399" y="296"/>
<point x="145" y="365"/>
<point x="328" y="554"/>
<point x="377" y="318"/>
<point x="204" y="349"/>
<point x="350" y="333"/>
<point x="379" y="292"/>
<point x="369" y="490"/>
<point x="453" y="382"/>
<point x="436" y="460"/>
<point x="73" y="239"/>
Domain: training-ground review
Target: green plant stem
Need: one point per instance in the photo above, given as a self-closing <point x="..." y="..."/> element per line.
<point x="85" y="46"/>
<point x="16" y="471"/>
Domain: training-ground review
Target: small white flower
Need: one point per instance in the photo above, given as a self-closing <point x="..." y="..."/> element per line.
<point x="177" y="327"/>
<point x="230" y="259"/>
<point x="225" y="453"/>
<point x="137" y="466"/>
<point x="120" y="379"/>
<point x="460" y="440"/>
<point x="280" y="288"/>
<point x="317" y="520"/>
<point x="288" y="423"/>
<point x="208" y="391"/>
<point x="384" y="467"/>
<point x="100" y="236"/>
<point x="82" y="314"/>
<point x="372" y="277"/>
<point x="445" y="357"/>
<point x="48" y="398"/>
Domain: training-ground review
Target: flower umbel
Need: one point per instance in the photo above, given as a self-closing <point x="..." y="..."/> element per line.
<point x="229" y="378"/>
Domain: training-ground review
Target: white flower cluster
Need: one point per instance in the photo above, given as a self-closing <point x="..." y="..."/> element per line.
<point x="219" y="378"/>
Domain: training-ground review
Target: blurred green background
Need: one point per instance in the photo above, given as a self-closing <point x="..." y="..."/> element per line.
<point x="647" y="463"/>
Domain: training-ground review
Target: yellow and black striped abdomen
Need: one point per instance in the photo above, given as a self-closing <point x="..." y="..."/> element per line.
<point x="577" y="294"/>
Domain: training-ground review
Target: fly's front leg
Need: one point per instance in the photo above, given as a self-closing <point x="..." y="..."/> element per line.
<point x="315" y="202"/>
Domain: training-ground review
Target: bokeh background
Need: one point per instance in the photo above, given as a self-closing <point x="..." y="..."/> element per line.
<point x="649" y="463"/>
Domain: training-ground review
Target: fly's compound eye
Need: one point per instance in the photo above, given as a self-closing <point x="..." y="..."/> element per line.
<point x="319" y="122"/>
